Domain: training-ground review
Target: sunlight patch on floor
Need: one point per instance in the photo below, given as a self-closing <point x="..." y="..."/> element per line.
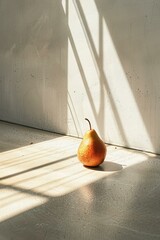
<point x="33" y="174"/>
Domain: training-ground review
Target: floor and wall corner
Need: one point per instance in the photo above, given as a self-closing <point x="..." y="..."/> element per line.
<point x="62" y="61"/>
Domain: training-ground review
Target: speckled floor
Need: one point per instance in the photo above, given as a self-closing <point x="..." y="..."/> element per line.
<point x="46" y="194"/>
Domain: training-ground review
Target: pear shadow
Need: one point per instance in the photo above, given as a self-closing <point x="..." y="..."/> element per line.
<point x="107" y="167"/>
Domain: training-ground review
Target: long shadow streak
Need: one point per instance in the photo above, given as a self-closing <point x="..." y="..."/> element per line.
<point x="100" y="67"/>
<point x="35" y="168"/>
<point x="22" y="190"/>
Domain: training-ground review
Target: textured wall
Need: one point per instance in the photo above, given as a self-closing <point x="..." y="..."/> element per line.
<point x="115" y="48"/>
<point x="62" y="61"/>
<point x="33" y="58"/>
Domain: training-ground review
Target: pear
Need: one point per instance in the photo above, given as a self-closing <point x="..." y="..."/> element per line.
<point x="92" y="150"/>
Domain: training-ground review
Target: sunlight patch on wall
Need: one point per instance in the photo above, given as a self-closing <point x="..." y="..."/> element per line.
<point x="89" y="18"/>
<point x="125" y="103"/>
<point x="97" y="83"/>
<point x="83" y="78"/>
<point x="84" y="87"/>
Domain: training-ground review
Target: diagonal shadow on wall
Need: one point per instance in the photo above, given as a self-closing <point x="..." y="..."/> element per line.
<point x="126" y="71"/>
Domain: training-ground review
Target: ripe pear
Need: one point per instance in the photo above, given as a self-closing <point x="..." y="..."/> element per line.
<point x="92" y="150"/>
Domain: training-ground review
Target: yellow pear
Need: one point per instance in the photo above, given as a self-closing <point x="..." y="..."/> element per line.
<point x="92" y="150"/>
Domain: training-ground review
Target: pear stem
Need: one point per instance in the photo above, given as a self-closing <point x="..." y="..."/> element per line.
<point x="89" y="123"/>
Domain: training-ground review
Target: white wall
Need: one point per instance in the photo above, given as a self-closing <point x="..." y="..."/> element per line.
<point x="33" y="56"/>
<point x="62" y="61"/>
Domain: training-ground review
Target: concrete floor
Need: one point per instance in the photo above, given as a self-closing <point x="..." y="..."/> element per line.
<point x="46" y="193"/>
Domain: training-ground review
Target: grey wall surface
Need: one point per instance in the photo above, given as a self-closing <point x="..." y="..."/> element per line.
<point x="33" y="55"/>
<point x="62" y="61"/>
